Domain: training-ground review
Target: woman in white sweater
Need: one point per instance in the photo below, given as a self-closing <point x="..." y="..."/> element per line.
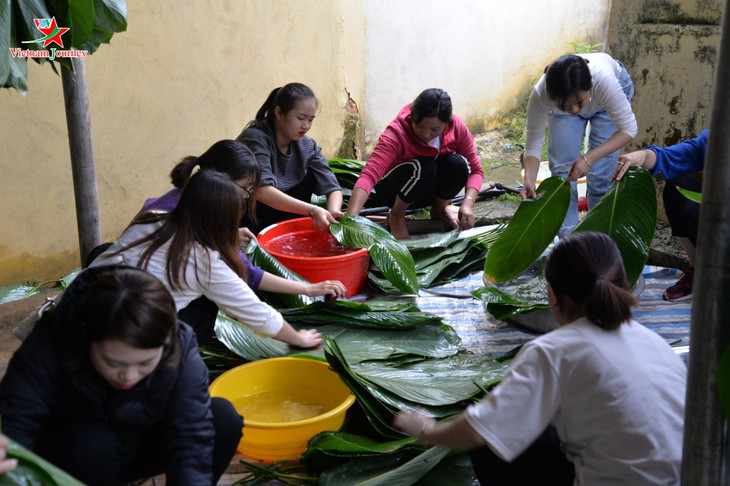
<point x="576" y="90"/>
<point x="600" y="400"/>
<point x="193" y="250"/>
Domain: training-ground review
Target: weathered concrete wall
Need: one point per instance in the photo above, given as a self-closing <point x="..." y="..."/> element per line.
<point x="670" y="51"/>
<point x="186" y="74"/>
<point x="486" y="55"/>
<point x="183" y="76"/>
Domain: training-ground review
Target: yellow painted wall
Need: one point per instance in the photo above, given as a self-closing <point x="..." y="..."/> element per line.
<point x="187" y="74"/>
<point x="184" y="75"/>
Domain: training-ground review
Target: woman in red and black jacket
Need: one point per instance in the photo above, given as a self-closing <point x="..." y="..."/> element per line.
<point x="425" y="156"/>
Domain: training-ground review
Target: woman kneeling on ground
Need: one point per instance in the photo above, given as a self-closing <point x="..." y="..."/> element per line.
<point x="600" y="400"/>
<point x="110" y="387"/>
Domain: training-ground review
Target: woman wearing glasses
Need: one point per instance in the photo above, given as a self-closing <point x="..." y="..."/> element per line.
<point x="194" y="250"/>
<point x="235" y="160"/>
<point x="576" y="90"/>
<point x="293" y="168"/>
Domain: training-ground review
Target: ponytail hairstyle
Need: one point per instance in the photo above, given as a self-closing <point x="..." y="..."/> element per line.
<point x="432" y="102"/>
<point x="587" y="267"/>
<point x="566" y="77"/>
<point x="210" y="208"/>
<point x="285" y="97"/>
<point x="126" y="304"/>
<point x="228" y="157"/>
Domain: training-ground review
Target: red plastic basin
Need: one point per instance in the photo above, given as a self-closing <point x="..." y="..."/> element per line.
<point x="315" y="255"/>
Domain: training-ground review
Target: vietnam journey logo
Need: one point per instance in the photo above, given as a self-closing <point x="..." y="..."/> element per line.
<point x="51" y="35"/>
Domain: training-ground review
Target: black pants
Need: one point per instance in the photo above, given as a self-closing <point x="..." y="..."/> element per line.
<point x="266" y="215"/>
<point x="97" y="453"/>
<point x="683" y="214"/>
<point x="542" y="463"/>
<point x="420" y="181"/>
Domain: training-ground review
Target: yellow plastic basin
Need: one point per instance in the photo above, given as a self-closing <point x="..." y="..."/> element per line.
<point x="284" y="403"/>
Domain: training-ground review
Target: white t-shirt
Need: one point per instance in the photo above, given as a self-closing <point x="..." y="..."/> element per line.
<point x="616" y="399"/>
<point x="605" y="93"/>
<point x="214" y="279"/>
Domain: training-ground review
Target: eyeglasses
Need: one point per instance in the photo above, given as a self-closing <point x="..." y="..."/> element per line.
<point x="249" y="190"/>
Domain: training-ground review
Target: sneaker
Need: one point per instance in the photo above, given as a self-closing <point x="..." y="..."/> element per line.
<point x="682" y="290"/>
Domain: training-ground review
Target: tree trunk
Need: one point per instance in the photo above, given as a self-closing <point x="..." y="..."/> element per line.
<point x="78" y="122"/>
<point x="705" y="455"/>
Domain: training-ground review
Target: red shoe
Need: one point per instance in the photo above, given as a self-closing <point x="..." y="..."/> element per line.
<point x="682" y="290"/>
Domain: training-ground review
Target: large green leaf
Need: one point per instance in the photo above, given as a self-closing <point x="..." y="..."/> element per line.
<point x="266" y="261"/>
<point x="390" y="255"/>
<point x="80" y="18"/>
<point x="244" y="342"/>
<point x="357" y="344"/>
<point x="379" y="416"/>
<point x="434" y="382"/>
<point x="628" y="215"/>
<point x="385" y="470"/>
<point x="92" y="23"/>
<point x="371" y="344"/>
<point x="34" y="470"/>
<point x="531" y="229"/>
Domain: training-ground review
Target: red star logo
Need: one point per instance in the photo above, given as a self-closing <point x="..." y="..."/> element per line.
<point x="52" y="33"/>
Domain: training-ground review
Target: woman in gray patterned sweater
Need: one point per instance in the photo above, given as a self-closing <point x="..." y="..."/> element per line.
<point x="292" y="165"/>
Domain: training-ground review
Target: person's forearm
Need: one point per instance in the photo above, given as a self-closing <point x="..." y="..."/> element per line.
<point x="273" y="197"/>
<point x="273" y="283"/>
<point x="289" y="335"/>
<point x="531" y="165"/>
<point x="617" y="141"/>
<point x="357" y="200"/>
<point x="334" y="201"/>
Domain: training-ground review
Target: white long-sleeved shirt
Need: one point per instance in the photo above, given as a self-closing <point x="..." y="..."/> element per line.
<point x="205" y="274"/>
<point x="605" y="93"/>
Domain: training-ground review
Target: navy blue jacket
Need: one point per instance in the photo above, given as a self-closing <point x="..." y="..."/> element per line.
<point x="40" y="387"/>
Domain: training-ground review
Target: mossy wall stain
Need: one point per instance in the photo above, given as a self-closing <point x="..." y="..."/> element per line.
<point x="670" y="47"/>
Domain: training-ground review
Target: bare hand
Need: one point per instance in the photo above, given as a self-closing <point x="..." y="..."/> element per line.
<point x="322" y="219"/>
<point x="528" y="190"/>
<point x="579" y="169"/>
<point x="333" y="288"/>
<point x="625" y="161"/>
<point x="466" y="217"/>
<point x="245" y="235"/>
<point x="413" y="423"/>
<point x="6" y="465"/>
<point x="309" y="339"/>
<point x="336" y="213"/>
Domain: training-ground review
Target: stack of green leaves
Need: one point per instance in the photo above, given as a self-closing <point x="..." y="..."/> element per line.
<point x="347" y="171"/>
<point x="442" y="258"/>
<point x="389" y="255"/>
<point x="375" y="330"/>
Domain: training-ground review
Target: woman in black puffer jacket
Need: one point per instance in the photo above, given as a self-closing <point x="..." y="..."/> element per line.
<point x="110" y="387"/>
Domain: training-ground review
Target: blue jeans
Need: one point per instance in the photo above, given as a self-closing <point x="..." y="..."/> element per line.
<point x="565" y="140"/>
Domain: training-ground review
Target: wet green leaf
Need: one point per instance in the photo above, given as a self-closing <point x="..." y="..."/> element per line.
<point x="531" y="229"/>
<point x="388" y="254"/>
<point x="628" y="215"/>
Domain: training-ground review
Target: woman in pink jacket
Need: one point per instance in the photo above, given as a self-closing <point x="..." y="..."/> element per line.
<point x="424" y="157"/>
